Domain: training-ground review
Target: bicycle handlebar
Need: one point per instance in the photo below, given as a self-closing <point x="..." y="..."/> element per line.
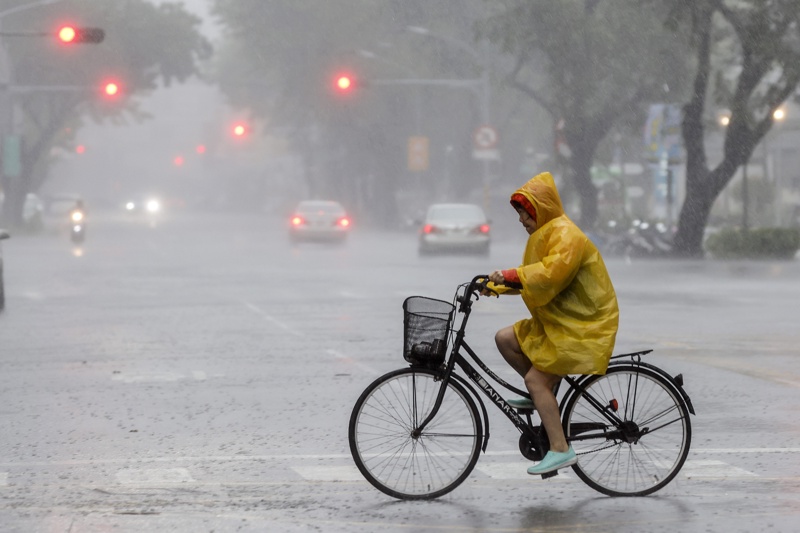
<point x="478" y="285"/>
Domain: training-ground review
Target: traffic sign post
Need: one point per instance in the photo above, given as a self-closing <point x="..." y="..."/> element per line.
<point x="484" y="143"/>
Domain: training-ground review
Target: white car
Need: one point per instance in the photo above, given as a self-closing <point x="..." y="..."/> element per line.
<point x="319" y="220"/>
<point x="455" y="228"/>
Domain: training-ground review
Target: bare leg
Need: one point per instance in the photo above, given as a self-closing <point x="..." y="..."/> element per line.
<point x="539" y="385"/>
<point x="509" y="348"/>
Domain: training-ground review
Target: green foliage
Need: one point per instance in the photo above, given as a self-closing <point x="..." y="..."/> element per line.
<point x="763" y="243"/>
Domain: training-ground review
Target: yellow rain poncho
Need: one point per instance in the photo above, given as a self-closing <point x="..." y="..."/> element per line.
<point x="565" y="285"/>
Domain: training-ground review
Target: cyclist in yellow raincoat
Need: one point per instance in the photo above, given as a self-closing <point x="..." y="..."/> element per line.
<point x="573" y="306"/>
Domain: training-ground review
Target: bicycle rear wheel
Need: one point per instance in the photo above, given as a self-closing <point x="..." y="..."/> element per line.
<point x="647" y="451"/>
<point x="396" y="461"/>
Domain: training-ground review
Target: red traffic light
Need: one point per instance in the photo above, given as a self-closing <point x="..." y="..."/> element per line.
<point x="66" y="34"/>
<point x="71" y="34"/>
<point x="111" y="89"/>
<point x="239" y="130"/>
<point x="344" y="83"/>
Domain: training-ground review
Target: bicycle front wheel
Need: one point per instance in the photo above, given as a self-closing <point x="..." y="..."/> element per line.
<point x="395" y="459"/>
<point x="646" y="451"/>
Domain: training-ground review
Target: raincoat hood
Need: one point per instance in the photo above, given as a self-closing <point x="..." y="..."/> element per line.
<point x="539" y="193"/>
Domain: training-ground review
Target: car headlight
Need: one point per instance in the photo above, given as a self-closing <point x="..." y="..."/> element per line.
<point x="153" y="206"/>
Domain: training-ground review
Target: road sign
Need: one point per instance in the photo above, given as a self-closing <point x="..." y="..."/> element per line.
<point x="484" y="137"/>
<point x="417" y="154"/>
<point x="484" y="143"/>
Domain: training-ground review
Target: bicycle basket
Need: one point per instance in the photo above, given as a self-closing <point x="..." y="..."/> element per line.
<point x="426" y="326"/>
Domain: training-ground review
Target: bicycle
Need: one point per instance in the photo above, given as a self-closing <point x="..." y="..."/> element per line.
<point x="416" y="433"/>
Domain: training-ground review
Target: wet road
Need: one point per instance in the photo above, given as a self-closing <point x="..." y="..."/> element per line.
<point x="198" y="376"/>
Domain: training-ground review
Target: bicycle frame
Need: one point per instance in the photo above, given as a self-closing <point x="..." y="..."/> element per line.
<point x="526" y="427"/>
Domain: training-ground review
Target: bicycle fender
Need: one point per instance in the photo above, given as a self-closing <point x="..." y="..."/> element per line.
<point x="676" y="385"/>
<point x="467" y="385"/>
<point x="677" y="382"/>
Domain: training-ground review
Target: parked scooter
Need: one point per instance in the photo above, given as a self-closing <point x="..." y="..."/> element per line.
<point x="77" y="224"/>
<point x="641" y="239"/>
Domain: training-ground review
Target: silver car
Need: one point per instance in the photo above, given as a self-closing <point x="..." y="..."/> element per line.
<point x="319" y="220"/>
<point x="455" y="228"/>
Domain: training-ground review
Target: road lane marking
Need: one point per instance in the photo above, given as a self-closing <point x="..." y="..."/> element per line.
<point x="157" y="377"/>
<point x="131" y="476"/>
<point x="518" y="471"/>
<point x="511" y="471"/>
<point x="345" y="359"/>
<point x="3" y="479"/>
<point x="711" y="468"/>
<point x="352" y="295"/>
<point x="329" y="473"/>
<point x="257" y="310"/>
<point x="748" y="369"/>
<point x="147" y="378"/>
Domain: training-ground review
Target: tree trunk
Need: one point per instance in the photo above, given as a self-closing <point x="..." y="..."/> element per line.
<point x="583" y="146"/>
<point x="581" y="165"/>
<point x="696" y="207"/>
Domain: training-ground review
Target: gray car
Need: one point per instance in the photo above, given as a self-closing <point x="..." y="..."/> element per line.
<point x="455" y="228"/>
<point x="3" y="235"/>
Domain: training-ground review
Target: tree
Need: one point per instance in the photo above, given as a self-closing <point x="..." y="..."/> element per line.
<point x="764" y="73"/>
<point x="602" y="60"/>
<point x="145" y="45"/>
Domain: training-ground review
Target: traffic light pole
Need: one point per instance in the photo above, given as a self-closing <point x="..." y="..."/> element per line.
<point x="10" y="146"/>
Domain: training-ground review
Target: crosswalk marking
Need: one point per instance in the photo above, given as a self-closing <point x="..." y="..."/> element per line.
<point x="711" y="468"/>
<point x="328" y="473"/>
<point x="131" y="476"/>
<point x="518" y="471"/>
<point x="692" y="469"/>
<point x="157" y="377"/>
<point x="512" y="471"/>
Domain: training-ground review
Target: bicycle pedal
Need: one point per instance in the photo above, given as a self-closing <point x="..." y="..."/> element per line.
<point x="550" y="474"/>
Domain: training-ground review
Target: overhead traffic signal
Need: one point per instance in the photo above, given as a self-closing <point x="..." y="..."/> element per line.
<point x="239" y="130"/>
<point x="344" y="83"/>
<point x="111" y="89"/>
<point x="71" y="34"/>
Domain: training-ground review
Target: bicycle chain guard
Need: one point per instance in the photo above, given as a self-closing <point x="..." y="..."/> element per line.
<point x="534" y="447"/>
